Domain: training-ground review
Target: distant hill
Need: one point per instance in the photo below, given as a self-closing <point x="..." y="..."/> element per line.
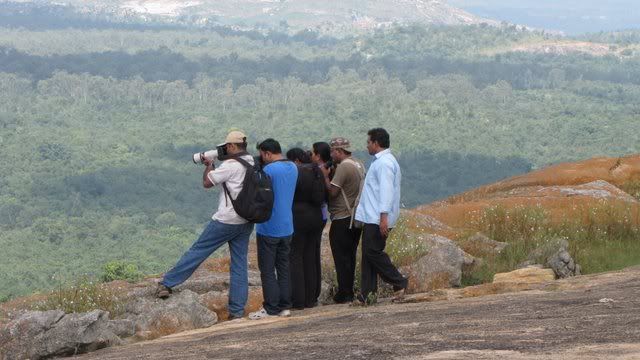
<point x="330" y="15"/>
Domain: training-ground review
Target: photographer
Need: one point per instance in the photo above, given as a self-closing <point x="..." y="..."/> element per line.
<point x="226" y="226"/>
<point x="344" y="190"/>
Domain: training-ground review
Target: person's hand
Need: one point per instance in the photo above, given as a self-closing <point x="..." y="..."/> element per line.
<point x="207" y="162"/>
<point x="325" y="171"/>
<point x="384" y="225"/>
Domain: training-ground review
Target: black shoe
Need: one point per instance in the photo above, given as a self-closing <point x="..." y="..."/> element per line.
<point x="341" y="299"/>
<point x="163" y="292"/>
<point x="234" y="317"/>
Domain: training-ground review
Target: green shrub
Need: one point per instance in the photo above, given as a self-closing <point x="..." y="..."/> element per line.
<point x="120" y="270"/>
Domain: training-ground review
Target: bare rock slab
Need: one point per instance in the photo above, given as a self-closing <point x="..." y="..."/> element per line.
<point x="528" y="275"/>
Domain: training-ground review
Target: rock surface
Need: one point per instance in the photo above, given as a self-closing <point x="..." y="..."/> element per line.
<point x="36" y="334"/>
<point x="182" y="311"/>
<point x="569" y="323"/>
<point x="441" y="267"/>
<point x="554" y="254"/>
<point x="528" y="275"/>
<point x="481" y="245"/>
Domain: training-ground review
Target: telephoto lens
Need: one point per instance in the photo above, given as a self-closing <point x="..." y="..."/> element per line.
<point x="199" y="158"/>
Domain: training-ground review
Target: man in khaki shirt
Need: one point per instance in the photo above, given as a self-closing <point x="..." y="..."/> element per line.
<point x="344" y="190"/>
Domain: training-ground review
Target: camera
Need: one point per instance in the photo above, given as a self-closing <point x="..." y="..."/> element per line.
<point x="220" y="153"/>
<point x="329" y="164"/>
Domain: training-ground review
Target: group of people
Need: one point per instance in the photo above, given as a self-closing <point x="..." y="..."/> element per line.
<point x="310" y="188"/>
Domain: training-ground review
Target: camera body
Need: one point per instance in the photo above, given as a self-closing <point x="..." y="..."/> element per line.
<point x="220" y="153"/>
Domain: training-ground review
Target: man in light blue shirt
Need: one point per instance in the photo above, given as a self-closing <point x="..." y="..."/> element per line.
<point x="379" y="209"/>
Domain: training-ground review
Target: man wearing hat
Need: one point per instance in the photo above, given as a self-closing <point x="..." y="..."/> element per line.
<point x="226" y="226"/>
<point x="344" y="190"/>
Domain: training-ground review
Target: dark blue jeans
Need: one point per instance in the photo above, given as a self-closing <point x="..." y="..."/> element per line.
<point x="273" y="261"/>
<point x="215" y="235"/>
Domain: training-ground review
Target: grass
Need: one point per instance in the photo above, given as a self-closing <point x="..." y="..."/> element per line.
<point x="83" y="296"/>
<point x="601" y="237"/>
<point x="632" y="188"/>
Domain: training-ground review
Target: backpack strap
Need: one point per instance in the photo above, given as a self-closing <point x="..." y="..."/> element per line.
<point x="360" y="185"/>
<point x="245" y="163"/>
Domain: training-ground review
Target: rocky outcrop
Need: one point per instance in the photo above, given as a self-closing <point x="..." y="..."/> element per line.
<point x="182" y="311"/>
<point x="441" y="267"/>
<point x="554" y="254"/>
<point x="37" y="334"/>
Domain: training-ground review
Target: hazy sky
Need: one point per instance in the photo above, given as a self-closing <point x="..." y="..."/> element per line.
<point x="570" y="16"/>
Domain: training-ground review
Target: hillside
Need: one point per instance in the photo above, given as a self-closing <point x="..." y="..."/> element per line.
<point x="98" y="121"/>
<point x="295" y="15"/>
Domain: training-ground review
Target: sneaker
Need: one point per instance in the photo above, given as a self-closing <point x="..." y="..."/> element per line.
<point x="285" y="313"/>
<point x="234" y="317"/>
<point x="259" y="315"/>
<point x="163" y="292"/>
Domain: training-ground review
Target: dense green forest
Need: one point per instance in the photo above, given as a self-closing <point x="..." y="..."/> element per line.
<point x="97" y="125"/>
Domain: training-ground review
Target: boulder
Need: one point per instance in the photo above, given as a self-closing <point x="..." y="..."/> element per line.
<point x="182" y="311"/>
<point x="36" y="334"/>
<point x="16" y="337"/>
<point x="563" y="264"/>
<point x="528" y="275"/>
<point x="481" y="245"/>
<point x="554" y="254"/>
<point x="218" y="301"/>
<point x="440" y="268"/>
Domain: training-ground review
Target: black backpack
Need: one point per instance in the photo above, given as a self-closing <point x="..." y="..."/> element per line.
<point x="255" y="201"/>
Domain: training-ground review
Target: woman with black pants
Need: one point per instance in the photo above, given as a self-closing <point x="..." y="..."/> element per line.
<point x="307" y="231"/>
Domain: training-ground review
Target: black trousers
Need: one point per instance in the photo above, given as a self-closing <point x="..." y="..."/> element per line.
<point x="376" y="262"/>
<point x="344" y="246"/>
<point x="304" y="265"/>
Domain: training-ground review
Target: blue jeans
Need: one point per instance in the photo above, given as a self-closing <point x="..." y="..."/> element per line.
<point x="273" y="261"/>
<point x="215" y="235"/>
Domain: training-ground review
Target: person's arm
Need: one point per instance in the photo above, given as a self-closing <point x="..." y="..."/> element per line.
<point x="206" y="182"/>
<point x="385" y="179"/>
<point x="214" y="176"/>
<point x="331" y="189"/>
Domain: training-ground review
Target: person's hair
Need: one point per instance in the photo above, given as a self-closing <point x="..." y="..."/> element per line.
<point x="381" y="136"/>
<point x="270" y="145"/>
<point x="299" y="154"/>
<point x="323" y="150"/>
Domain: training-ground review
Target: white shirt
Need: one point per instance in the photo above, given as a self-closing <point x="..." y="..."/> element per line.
<point x="232" y="173"/>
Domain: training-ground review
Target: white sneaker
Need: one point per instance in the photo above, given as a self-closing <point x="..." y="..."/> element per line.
<point x="260" y="314"/>
<point x="285" y="313"/>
